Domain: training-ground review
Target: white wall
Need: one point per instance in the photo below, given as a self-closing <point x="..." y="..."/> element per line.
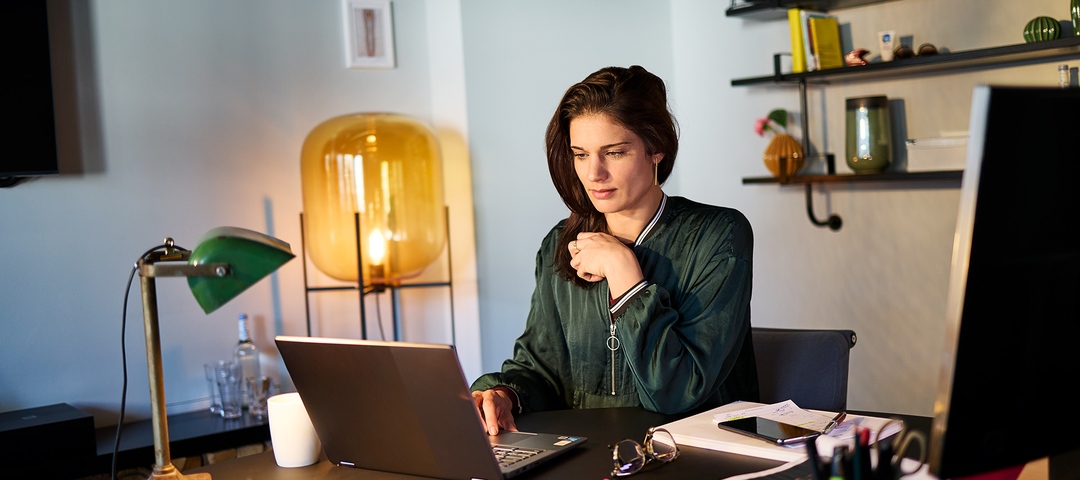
<point x="192" y="115"/>
<point x="189" y="115"/>
<point x="884" y="274"/>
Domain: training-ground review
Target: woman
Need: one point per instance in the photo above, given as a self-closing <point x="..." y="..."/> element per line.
<point x="641" y="299"/>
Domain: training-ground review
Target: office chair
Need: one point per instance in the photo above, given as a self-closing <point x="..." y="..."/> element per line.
<point x="809" y="367"/>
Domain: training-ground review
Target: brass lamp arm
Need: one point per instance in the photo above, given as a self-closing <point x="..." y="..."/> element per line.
<point x="149" y="267"/>
<point x="183" y="270"/>
<point x="148" y="270"/>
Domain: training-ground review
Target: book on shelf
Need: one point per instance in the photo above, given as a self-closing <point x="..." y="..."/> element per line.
<point x="825" y="35"/>
<point x="798" y="54"/>
<point x="807" y="37"/>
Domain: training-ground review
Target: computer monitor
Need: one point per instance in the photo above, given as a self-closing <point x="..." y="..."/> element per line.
<point x="1010" y="365"/>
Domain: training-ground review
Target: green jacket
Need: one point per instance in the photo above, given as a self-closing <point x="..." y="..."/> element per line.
<point x="683" y="334"/>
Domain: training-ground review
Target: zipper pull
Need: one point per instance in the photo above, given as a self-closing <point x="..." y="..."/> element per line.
<point x="613" y="341"/>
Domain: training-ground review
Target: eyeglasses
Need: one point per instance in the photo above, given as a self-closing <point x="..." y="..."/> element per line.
<point x="630" y="456"/>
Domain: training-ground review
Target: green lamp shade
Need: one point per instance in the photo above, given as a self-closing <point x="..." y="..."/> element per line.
<point x="250" y="256"/>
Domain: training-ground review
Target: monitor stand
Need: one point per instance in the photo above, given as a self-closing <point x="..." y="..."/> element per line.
<point x="1065" y="466"/>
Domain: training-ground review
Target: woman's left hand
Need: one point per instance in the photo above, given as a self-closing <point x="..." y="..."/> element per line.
<point x="598" y="256"/>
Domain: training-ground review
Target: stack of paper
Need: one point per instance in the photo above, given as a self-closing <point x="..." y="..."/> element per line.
<point x="701" y="431"/>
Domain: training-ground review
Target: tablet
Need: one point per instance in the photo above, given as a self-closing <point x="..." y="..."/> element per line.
<point x="769" y="430"/>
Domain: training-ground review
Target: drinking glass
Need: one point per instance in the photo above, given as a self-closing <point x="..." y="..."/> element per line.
<point x="261" y="389"/>
<point x="228" y="379"/>
<point x="211" y="384"/>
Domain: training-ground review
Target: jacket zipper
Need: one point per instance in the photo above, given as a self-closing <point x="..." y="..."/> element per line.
<point x="613" y="344"/>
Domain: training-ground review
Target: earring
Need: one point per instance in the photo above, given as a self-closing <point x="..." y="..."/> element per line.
<point x="656" y="173"/>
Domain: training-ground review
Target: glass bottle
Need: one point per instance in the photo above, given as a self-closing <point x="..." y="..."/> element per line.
<point x="247" y="356"/>
<point x="1063" y="76"/>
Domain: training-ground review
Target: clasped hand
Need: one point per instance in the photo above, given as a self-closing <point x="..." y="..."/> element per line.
<point x="598" y="256"/>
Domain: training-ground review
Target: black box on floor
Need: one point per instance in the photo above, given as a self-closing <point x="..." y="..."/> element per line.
<point x="54" y="434"/>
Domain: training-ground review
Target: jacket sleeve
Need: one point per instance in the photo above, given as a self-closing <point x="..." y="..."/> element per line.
<point x="540" y="357"/>
<point x="680" y="357"/>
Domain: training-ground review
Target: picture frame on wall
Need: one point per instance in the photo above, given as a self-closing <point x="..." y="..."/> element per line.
<point x="369" y="32"/>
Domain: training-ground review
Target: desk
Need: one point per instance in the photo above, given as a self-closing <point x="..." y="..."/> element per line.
<point x="603" y="426"/>
<point x="190" y="434"/>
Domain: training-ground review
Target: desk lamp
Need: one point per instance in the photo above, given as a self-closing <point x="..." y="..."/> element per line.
<point x="226" y="262"/>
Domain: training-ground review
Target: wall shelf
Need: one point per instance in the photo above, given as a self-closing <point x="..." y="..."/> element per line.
<point x="774" y="9"/>
<point x="834" y="222"/>
<point x="952" y="62"/>
<point x="951" y="176"/>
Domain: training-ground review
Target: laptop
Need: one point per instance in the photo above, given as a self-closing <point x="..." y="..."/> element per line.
<point x="405" y="408"/>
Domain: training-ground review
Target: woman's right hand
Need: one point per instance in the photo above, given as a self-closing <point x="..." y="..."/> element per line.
<point x="496" y="411"/>
<point x="599" y="256"/>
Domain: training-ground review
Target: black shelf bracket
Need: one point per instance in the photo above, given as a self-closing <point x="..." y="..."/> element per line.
<point x="833" y="222"/>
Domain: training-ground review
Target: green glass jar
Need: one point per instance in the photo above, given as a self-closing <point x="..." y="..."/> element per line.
<point x="1074" y="12"/>
<point x="869" y="135"/>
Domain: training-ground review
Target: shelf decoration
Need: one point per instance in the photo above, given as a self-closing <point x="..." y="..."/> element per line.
<point x="868" y="144"/>
<point x="1074" y="12"/>
<point x="783" y="156"/>
<point x="1041" y="29"/>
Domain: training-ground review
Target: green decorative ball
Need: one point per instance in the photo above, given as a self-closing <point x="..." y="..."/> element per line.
<point x="1040" y="29"/>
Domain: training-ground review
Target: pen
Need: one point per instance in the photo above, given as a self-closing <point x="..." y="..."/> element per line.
<point x="834" y="422"/>
<point x="866" y="469"/>
<point x="838" y="469"/>
<point x="812" y="456"/>
<point x="885" y="460"/>
<point x="860" y="460"/>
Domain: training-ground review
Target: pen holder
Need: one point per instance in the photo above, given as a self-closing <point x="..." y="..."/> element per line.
<point x="847" y="463"/>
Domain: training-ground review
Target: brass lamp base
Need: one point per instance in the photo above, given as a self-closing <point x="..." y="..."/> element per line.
<point x="169" y="472"/>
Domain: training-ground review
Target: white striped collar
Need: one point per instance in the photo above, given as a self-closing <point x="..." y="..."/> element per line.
<point x="652" y="223"/>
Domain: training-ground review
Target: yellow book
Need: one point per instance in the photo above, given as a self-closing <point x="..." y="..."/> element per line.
<point x="808" y="46"/>
<point x="825" y="36"/>
<point x="798" y="55"/>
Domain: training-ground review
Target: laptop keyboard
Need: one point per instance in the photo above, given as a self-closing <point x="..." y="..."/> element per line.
<point x="507" y="455"/>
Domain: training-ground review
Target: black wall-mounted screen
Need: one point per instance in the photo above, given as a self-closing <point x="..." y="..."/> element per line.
<point x="29" y="146"/>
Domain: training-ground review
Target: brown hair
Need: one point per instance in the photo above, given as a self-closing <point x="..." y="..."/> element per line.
<point x="631" y="97"/>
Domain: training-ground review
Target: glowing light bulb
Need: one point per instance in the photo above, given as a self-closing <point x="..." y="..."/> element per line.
<point x="376" y="247"/>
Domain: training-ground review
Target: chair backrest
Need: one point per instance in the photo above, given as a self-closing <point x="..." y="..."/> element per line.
<point x="809" y="367"/>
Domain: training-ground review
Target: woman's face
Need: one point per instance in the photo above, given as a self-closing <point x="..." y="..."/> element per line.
<point x="612" y="164"/>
